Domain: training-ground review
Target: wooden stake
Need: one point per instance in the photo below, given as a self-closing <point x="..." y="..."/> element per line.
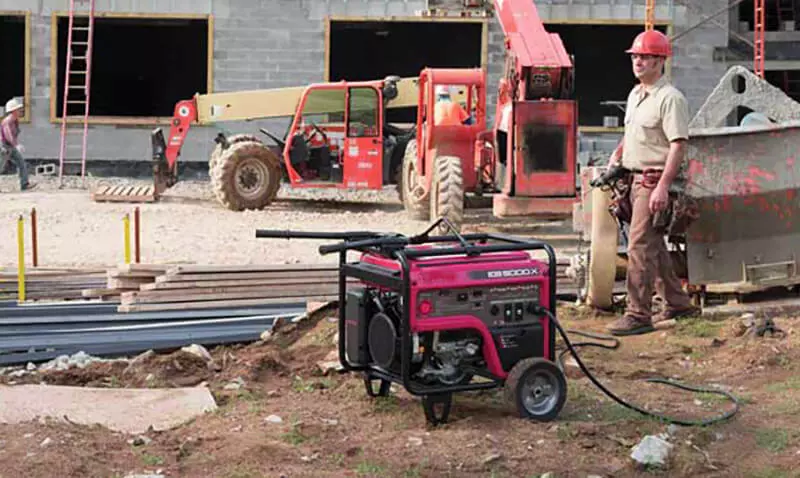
<point x="34" y="239"/>
<point x="136" y="234"/>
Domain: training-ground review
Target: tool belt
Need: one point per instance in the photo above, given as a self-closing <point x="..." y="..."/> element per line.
<point x="680" y="212"/>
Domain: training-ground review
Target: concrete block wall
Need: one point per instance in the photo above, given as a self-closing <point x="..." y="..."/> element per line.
<point x="275" y="43"/>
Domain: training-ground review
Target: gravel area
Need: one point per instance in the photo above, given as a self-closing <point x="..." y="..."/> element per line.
<point x="188" y="225"/>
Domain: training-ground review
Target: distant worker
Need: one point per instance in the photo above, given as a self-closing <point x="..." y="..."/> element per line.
<point x="447" y="112"/>
<point x="10" y="148"/>
<point x="653" y="149"/>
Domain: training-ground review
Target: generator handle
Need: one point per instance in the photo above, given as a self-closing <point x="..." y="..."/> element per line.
<point x="396" y="241"/>
<point x="290" y="234"/>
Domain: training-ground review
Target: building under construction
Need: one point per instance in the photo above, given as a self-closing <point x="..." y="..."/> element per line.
<point x="148" y="55"/>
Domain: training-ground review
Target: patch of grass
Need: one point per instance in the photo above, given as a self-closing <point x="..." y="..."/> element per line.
<point x="614" y="412"/>
<point x="240" y="472"/>
<point x="247" y="395"/>
<point x="388" y="404"/>
<point x="786" y="407"/>
<point x="701" y="328"/>
<point x="299" y="384"/>
<point x="768" y="473"/>
<point x="294" y="436"/>
<point x="152" y="460"/>
<point x="712" y="398"/>
<point x="370" y="469"/>
<point x="792" y="383"/>
<point x="772" y="439"/>
<point x="337" y="459"/>
<point x="416" y="470"/>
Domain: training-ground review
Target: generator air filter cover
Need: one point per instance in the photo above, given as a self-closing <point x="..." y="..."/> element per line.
<point x="382" y="338"/>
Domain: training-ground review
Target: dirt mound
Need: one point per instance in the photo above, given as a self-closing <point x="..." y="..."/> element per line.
<point x="177" y="369"/>
<point x="98" y="374"/>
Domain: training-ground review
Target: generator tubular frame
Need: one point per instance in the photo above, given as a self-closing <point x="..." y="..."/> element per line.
<point x="403" y="286"/>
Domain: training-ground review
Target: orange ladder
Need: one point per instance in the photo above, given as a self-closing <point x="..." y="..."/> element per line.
<point x="77" y="81"/>
<point x="758" y="40"/>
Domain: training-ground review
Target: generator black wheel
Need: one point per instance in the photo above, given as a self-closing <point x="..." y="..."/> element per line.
<point x="447" y="193"/>
<point x="247" y="176"/>
<point x="383" y="389"/>
<point x="537" y="388"/>
<point x="218" y="151"/>
<point x="437" y="407"/>
<point x="415" y="197"/>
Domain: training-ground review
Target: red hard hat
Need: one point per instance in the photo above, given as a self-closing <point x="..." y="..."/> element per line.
<point x="651" y="42"/>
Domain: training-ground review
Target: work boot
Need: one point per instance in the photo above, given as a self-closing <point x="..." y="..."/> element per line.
<point x="669" y="314"/>
<point x="630" y="325"/>
<point x="28" y="187"/>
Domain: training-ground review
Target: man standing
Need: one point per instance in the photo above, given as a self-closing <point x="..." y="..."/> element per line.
<point x="653" y="148"/>
<point x="9" y="139"/>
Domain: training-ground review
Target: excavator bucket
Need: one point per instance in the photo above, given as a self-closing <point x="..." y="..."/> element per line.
<point x="746" y="181"/>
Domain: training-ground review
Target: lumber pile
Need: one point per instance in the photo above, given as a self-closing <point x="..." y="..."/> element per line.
<point x="198" y="287"/>
<point x="154" y="287"/>
<point x="51" y="283"/>
<point x="124" y="278"/>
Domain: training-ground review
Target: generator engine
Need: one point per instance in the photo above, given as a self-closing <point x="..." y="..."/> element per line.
<point x="446" y="314"/>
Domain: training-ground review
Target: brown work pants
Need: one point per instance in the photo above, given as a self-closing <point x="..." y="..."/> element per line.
<point x="649" y="263"/>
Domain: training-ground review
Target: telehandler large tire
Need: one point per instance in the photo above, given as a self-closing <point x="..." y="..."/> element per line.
<point x="447" y="193"/>
<point x="414" y="196"/>
<point x="218" y="151"/>
<point x="248" y="176"/>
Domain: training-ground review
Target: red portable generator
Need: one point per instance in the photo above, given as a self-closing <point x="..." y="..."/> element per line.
<point x="446" y="314"/>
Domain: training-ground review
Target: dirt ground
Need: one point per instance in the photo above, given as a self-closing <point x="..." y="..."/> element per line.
<point x="188" y="225"/>
<point x="288" y="419"/>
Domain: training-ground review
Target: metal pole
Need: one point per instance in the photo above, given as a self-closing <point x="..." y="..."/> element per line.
<point x="126" y="223"/>
<point x="136" y="233"/>
<point x="21" y="258"/>
<point x="703" y="21"/>
<point x="34" y="239"/>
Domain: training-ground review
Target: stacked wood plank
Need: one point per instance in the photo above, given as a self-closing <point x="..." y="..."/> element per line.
<point x="200" y="287"/>
<point x="51" y="283"/>
<point x="126" y="277"/>
<point x="151" y="287"/>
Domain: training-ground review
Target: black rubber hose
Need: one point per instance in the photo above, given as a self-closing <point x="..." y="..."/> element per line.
<point x="609" y="393"/>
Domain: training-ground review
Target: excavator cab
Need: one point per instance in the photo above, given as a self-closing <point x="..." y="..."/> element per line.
<point x="442" y="162"/>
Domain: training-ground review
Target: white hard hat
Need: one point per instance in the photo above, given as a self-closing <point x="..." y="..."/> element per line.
<point x="14" y="104"/>
<point x="442" y="90"/>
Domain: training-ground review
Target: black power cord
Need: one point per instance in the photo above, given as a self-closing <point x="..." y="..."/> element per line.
<point x="664" y="418"/>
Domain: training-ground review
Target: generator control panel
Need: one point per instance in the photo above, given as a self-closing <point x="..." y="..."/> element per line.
<point x="507" y="304"/>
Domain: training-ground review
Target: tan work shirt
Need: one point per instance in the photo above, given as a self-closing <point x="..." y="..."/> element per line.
<point x="654" y="117"/>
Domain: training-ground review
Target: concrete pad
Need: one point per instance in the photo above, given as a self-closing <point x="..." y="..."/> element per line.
<point x="119" y="409"/>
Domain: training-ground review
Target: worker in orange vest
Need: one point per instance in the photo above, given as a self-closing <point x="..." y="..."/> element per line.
<point x="446" y="111"/>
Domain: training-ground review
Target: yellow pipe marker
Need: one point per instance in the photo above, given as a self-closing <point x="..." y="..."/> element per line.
<point x="21" y="258"/>
<point x="127" y="224"/>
